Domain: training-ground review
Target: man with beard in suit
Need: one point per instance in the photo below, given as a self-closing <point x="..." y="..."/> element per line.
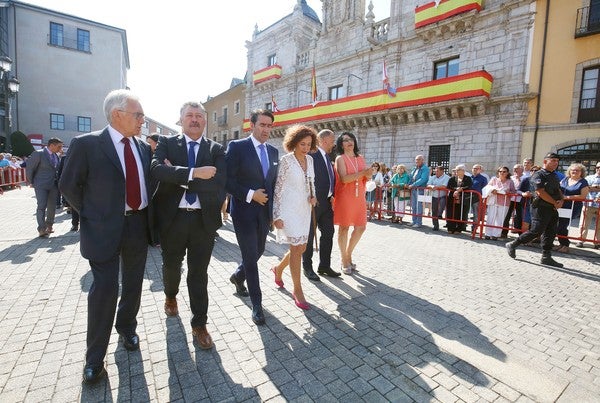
<point x="252" y="166"/>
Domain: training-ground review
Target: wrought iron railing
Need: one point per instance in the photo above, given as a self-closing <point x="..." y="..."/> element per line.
<point x="588" y="21"/>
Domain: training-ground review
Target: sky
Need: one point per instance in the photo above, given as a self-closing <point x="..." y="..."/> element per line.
<point x="184" y="50"/>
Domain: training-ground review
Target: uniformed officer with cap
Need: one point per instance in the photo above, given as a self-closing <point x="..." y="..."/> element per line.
<point x="544" y="215"/>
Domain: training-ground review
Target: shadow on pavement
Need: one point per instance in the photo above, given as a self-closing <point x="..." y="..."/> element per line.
<point x="22" y="252"/>
<point x="133" y="385"/>
<point x="201" y="377"/>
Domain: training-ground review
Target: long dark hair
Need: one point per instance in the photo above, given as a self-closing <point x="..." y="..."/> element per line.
<point x="339" y="149"/>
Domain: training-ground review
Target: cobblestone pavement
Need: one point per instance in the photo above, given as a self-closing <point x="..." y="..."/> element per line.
<point x="428" y="317"/>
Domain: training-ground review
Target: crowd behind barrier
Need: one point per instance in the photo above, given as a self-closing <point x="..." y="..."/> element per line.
<point x="11" y="178"/>
<point x="382" y="206"/>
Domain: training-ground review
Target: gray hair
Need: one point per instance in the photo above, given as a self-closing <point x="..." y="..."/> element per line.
<point x="191" y="104"/>
<point x="117" y="99"/>
<point x="461" y="167"/>
<point x="325" y="133"/>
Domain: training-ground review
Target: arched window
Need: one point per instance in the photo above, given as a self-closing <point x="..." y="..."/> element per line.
<point x="587" y="154"/>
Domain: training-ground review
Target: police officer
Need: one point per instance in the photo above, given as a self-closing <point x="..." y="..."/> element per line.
<point x="544" y="215"/>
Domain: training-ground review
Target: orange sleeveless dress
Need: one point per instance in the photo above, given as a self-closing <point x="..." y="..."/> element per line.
<point x="349" y="202"/>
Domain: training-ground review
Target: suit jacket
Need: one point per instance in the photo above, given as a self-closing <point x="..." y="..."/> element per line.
<point x="40" y="170"/>
<point x="244" y="172"/>
<point x="170" y="178"/>
<point x="93" y="182"/>
<point x="321" y="178"/>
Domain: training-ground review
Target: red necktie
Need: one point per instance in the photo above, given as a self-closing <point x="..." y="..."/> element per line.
<point x="132" y="178"/>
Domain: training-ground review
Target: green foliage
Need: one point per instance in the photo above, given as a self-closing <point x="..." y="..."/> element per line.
<point x="21" y="146"/>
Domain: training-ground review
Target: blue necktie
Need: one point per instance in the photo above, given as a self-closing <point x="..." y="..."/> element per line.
<point x="191" y="197"/>
<point x="330" y="172"/>
<point x="264" y="161"/>
<point x="54" y="160"/>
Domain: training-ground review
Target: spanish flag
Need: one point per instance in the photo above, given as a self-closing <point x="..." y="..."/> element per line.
<point x="314" y="87"/>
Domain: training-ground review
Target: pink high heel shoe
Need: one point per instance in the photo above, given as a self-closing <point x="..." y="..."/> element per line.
<point x="301" y="305"/>
<point x="278" y="282"/>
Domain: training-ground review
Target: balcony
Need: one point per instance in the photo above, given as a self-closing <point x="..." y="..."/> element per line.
<point x="455" y="97"/>
<point x="222" y="121"/>
<point x="70" y="43"/>
<point x="588" y="21"/>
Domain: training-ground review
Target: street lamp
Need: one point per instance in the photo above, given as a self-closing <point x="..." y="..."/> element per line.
<point x="348" y="86"/>
<point x="298" y="96"/>
<point x="10" y="87"/>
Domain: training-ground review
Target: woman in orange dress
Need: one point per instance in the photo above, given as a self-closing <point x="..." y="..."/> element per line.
<point x="349" y="203"/>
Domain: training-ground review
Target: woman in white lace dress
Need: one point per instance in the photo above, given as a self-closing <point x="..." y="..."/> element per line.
<point x="293" y="201"/>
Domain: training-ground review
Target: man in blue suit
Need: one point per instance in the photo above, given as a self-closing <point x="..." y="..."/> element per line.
<point x="106" y="179"/>
<point x="418" y="179"/>
<point x="324" y="185"/>
<point x="251" y="173"/>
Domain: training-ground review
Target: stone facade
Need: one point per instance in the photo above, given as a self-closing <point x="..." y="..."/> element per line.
<point x="348" y="49"/>
<point x="225" y="113"/>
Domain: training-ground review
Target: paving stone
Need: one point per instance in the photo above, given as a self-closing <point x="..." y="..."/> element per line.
<point x="391" y="332"/>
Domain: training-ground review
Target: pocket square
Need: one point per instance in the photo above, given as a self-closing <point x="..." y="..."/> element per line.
<point x="275" y="163"/>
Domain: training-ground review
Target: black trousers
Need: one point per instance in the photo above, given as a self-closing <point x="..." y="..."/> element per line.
<point x="324" y="219"/>
<point x="102" y="298"/>
<point x="544" y="220"/>
<point x="187" y="234"/>
<point x="517" y="207"/>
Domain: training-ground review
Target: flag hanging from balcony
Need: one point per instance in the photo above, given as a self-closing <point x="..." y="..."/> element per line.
<point x="386" y="82"/>
<point x="313" y="87"/>
<point x="274" y="107"/>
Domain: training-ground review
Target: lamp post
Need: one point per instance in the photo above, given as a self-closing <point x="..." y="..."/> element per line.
<point x="348" y="86"/>
<point x="298" y="96"/>
<point x="10" y="87"/>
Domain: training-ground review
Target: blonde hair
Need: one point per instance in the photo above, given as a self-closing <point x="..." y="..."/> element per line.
<point x="575" y="165"/>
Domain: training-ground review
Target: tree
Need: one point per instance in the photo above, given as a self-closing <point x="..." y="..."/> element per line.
<point x="21" y="146"/>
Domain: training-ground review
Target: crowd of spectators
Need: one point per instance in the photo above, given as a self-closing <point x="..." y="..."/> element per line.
<point x="506" y="196"/>
<point x="9" y="164"/>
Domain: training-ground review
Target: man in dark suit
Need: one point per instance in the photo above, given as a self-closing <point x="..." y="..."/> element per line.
<point x="251" y="173"/>
<point x="324" y="185"/>
<point x="191" y="174"/>
<point x="42" y="174"/>
<point x="105" y="179"/>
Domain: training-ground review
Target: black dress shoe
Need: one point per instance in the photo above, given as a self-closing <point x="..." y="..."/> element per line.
<point x="311" y="275"/>
<point x="258" y="317"/>
<point x="240" y="289"/>
<point x="75" y="228"/>
<point x="131" y="342"/>
<point x="93" y="373"/>
<point x="329" y="272"/>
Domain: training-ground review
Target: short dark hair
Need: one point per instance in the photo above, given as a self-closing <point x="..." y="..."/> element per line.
<point x="296" y="133"/>
<point x="552" y="155"/>
<point x="339" y="143"/>
<point x="257" y="112"/>
<point x="54" y="140"/>
<point x="154" y="137"/>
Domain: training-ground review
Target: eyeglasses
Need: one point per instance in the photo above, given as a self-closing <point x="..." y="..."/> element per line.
<point x="597" y="167"/>
<point x="503" y="172"/>
<point x="137" y="115"/>
<point x="347" y="140"/>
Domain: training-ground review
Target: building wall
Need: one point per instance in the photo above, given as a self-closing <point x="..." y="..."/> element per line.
<point x="224" y="130"/>
<point x="64" y="81"/>
<point x="478" y="130"/>
<point x="563" y="63"/>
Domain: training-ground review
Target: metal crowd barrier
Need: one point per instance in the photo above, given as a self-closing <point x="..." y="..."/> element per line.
<point x="380" y="207"/>
<point x="12" y="177"/>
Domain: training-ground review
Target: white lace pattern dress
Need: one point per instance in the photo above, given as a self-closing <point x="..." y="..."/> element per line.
<point x="291" y="199"/>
